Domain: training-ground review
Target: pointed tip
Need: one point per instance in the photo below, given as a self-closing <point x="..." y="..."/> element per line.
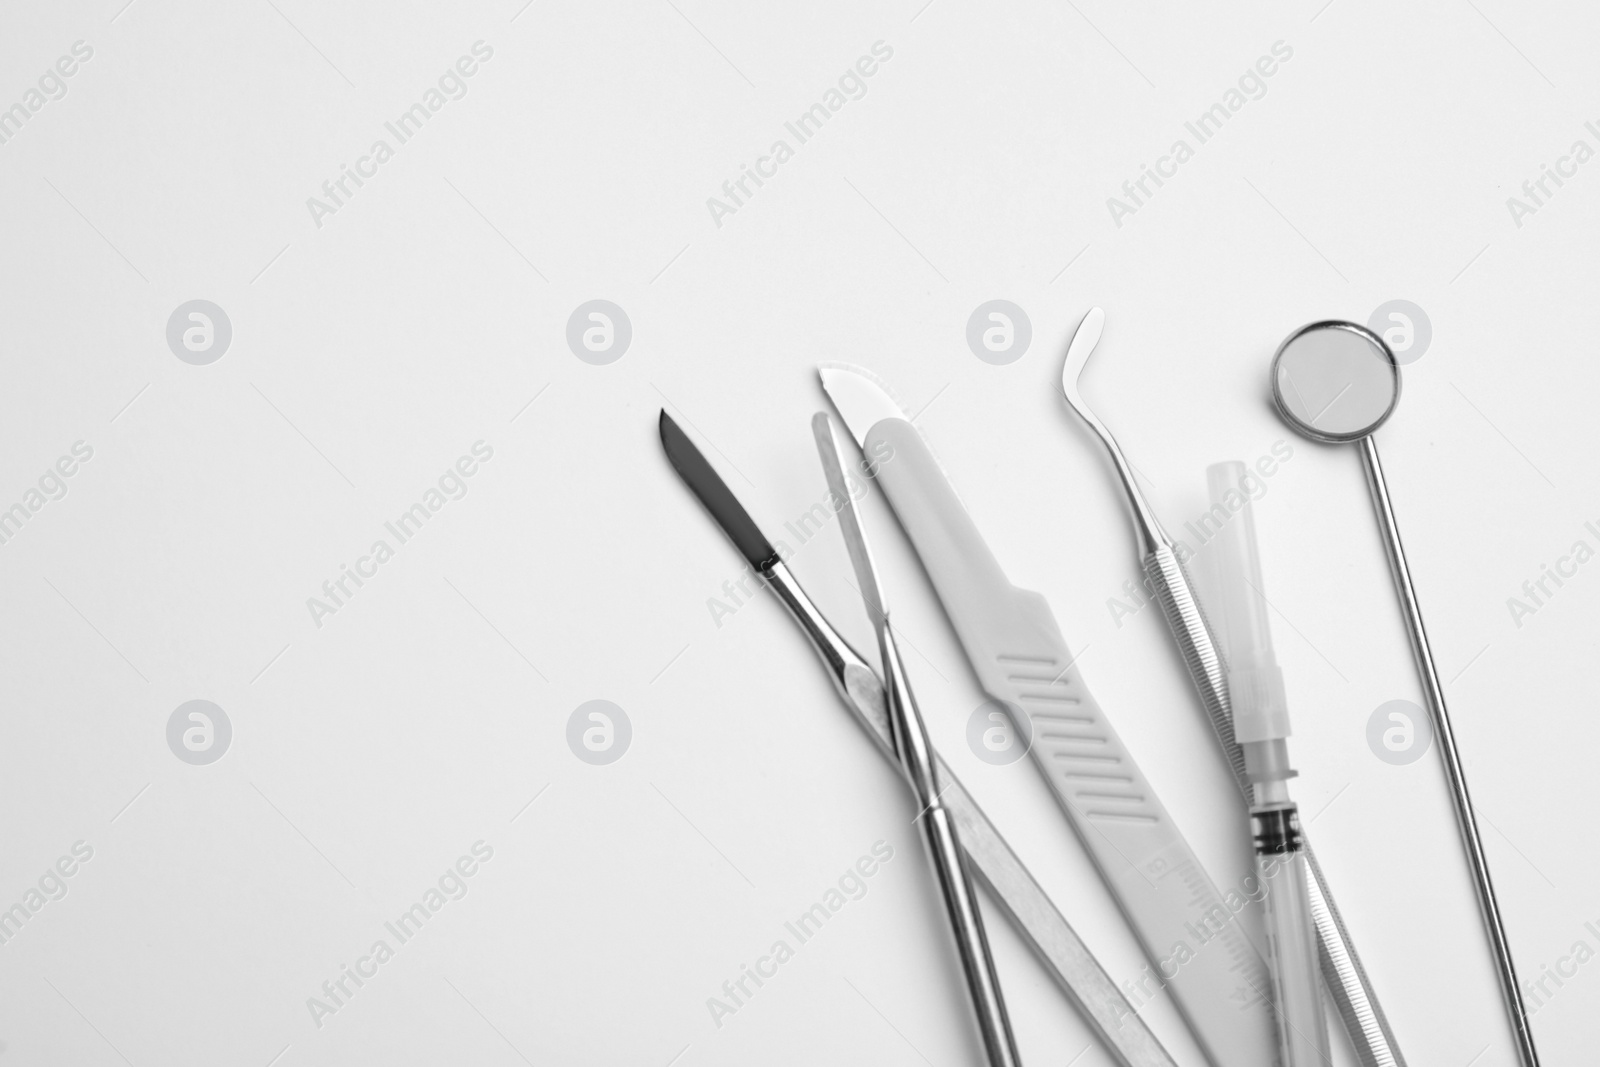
<point x="860" y="398"/>
<point x="827" y="446"/>
<point x="1082" y="345"/>
<point x="833" y="367"/>
<point x="827" y="372"/>
<point x="707" y="486"/>
<point x="674" y="442"/>
<point x="839" y="490"/>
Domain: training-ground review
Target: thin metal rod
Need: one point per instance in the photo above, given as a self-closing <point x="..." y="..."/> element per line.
<point x="944" y="852"/>
<point x="1465" y="820"/>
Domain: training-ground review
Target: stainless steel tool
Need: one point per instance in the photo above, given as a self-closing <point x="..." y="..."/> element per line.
<point x="994" y="864"/>
<point x="916" y="761"/>
<point x="1337" y="382"/>
<point x="1190" y="935"/>
<point x="1342" y="972"/>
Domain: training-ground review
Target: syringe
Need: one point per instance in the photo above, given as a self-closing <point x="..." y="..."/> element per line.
<point x="1261" y="723"/>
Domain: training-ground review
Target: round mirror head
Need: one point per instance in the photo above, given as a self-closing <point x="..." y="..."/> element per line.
<point x="1335" y="381"/>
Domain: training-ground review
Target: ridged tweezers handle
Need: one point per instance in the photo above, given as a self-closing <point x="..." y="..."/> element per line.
<point x="1342" y="972"/>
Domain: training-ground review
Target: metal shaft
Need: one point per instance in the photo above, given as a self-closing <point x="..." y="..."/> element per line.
<point x="1465" y="819"/>
<point x="949" y="868"/>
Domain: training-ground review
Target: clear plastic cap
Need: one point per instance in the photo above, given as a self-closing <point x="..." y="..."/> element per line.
<point x="1255" y="684"/>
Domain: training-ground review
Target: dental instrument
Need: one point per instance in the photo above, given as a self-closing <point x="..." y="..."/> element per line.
<point x="1336" y="382"/>
<point x="1342" y="972"/>
<point x="916" y="760"/>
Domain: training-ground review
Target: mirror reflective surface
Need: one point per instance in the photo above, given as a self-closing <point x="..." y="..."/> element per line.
<point x="1335" y="381"/>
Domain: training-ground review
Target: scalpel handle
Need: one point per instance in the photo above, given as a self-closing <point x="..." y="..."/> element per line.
<point x="1187" y="928"/>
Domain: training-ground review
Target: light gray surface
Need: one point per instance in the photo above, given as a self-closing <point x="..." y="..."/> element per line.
<point x="367" y="356"/>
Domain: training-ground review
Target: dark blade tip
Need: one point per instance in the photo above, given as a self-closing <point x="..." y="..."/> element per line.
<point x="673" y="440"/>
<point x="712" y="492"/>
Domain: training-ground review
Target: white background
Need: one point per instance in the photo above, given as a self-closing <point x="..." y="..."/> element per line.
<point x="369" y="353"/>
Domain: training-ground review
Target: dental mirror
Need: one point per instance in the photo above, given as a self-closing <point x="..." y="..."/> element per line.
<point x="1337" y="382"/>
